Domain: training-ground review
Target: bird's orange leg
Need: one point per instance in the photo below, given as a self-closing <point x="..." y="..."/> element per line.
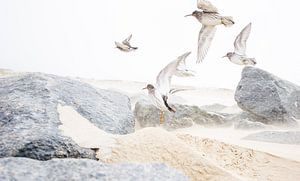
<point x="161" y="118"/>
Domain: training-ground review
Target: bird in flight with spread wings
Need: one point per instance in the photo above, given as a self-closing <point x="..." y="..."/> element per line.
<point x="160" y="92"/>
<point x="125" y="45"/>
<point x="209" y="17"/>
<point x="239" y="55"/>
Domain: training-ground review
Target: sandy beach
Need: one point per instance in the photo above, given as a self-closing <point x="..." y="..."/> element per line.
<point x="200" y="153"/>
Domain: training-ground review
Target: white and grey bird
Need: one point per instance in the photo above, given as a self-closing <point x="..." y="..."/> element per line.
<point x="239" y="55"/>
<point x="159" y="93"/>
<point x="209" y="18"/>
<point x="125" y="45"/>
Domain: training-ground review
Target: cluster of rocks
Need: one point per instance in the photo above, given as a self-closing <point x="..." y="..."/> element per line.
<point x="32" y="147"/>
<point x="263" y="98"/>
<point x="29" y="124"/>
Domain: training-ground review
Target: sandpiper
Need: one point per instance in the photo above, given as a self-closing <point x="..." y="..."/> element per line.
<point x="159" y="93"/>
<point x="239" y="55"/>
<point x="125" y="45"/>
<point x="209" y="18"/>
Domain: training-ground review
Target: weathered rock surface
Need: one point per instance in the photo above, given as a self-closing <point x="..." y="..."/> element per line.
<point x="247" y="121"/>
<point x="83" y="169"/>
<point x="213" y="107"/>
<point x="266" y="96"/>
<point x="29" y="119"/>
<point x="185" y="116"/>
<point x="283" y="137"/>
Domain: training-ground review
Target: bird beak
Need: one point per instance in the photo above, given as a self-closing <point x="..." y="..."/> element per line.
<point x="144" y="88"/>
<point x="224" y="56"/>
<point x="188" y="15"/>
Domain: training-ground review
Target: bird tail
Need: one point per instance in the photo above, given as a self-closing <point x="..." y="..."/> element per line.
<point x="165" y="98"/>
<point x="227" y="21"/>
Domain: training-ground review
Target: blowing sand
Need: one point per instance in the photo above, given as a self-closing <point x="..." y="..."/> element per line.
<point x="189" y="97"/>
<point x="197" y="157"/>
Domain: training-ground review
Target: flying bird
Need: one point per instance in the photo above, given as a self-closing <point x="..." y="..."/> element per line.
<point x="125" y="45"/>
<point x="209" y="18"/>
<point x="239" y="55"/>
<point x="159" y="93"/>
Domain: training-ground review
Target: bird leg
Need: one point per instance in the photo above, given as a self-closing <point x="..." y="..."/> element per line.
<point x="161" y="117"/>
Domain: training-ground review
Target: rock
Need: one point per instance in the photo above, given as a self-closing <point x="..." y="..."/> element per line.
<point x="249" y="125"/>
<point x="29" y="119"/>
<point x="83" y="169"/>
<point x="213" y="107"/>
<point x="147" y="115"/>
<point x="283" y="137"/>
<point x="247" y="121"/>
<point x="266" y="96"/>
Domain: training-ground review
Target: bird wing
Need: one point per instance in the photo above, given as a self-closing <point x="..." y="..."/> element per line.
<point x="127" y="40"/>
<point x="183" y="71"/>
<point x="241" y="39"/>
<point x="174" y="90"/>
<point x="163" y="79"/>
<point x="206" y="35"/>
<point x="206" y="6"/>
<point x="121" y="46"/>
<point x="118" y="44"/>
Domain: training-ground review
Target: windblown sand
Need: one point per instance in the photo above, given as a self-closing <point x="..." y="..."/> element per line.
<point x="198" y="158"/>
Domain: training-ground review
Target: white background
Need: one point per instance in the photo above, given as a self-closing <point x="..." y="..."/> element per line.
<point x="76" y="38"/>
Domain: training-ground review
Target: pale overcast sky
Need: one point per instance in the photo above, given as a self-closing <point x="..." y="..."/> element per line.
<point x="76" y="38"/>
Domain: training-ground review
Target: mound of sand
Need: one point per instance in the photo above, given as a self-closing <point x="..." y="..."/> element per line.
<point x="198" y="158"/>
<point x="158" y="145"/>
<point x="247" y="163"/>
<point x="7" y="73"/>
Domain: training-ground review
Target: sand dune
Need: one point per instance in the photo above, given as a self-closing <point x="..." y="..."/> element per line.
<point x="158" y="145"/>
<point x="247" y="163"/>
<point x="199" y="158"/>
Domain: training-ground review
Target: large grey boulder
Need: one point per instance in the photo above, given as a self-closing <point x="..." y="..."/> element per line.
<point x="266" y="96"/>
<point x="147" y="115"/>
<point x="84" y="169"/>
<point x="282" y="137"/>
<point x="29" y="119"/>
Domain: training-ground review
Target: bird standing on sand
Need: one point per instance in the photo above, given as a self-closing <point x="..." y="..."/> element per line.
<point x="239" y="55"/>
<point x="125" y="45"/>
<point x="159" y="93"/>
<point x="209" y="18"/>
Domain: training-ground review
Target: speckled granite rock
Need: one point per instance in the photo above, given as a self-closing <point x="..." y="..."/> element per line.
<point x="29" y="119"/>
<point x="283" y="137"/>
<point x="185" y="116"/>
<point x="269" y="97"/>
<point x="18" y="169"/>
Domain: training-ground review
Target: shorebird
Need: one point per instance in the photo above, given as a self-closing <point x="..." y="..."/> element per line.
<point x="239" y="55"/>
<point x="159" y="93"/>
<point x="125" y="45"/>
<point x="209" y="18"/>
